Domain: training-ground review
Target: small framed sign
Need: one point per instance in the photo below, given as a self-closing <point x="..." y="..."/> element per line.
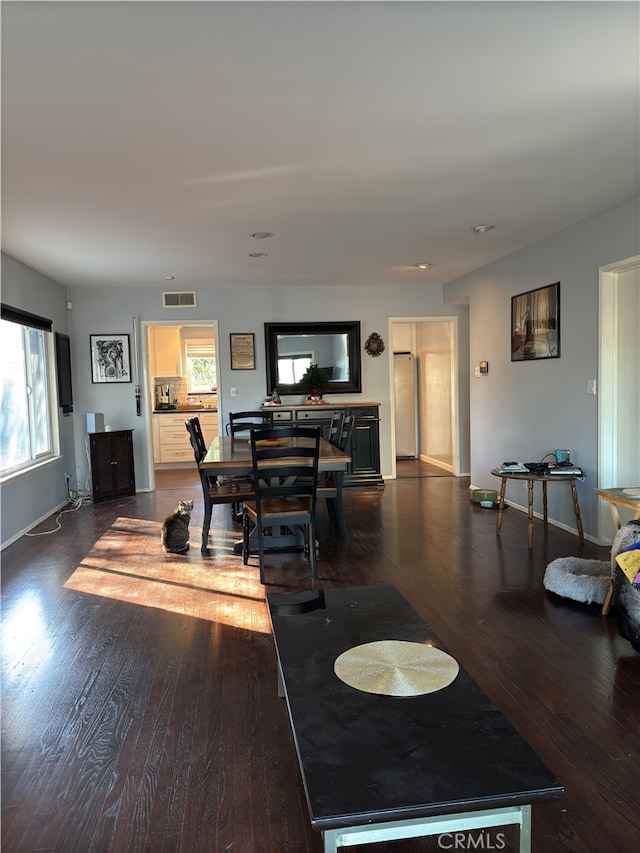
<point x="243" y="351"/>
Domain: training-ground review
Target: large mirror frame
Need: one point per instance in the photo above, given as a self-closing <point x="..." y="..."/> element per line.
<point x="352" y="330"/>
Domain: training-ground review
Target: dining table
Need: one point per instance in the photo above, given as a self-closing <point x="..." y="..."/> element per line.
<point x="230" y="457"/>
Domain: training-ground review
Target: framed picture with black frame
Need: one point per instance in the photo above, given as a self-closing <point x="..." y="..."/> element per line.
<point x="110" y="358"/>
<point x="535" y="324"/>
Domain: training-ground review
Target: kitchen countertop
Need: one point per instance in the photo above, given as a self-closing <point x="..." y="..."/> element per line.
<point x="183" y="410"/>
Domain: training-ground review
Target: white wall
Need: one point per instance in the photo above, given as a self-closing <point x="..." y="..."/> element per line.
<point x="30" y="497"/>
<point x="111" y="310"/>
<point x="523" y="410"/>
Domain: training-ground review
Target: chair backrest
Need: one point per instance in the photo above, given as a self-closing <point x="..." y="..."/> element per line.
<point x="346" y="434"/>
<point x="245" y="421"/>
<point x="285" y="470"/>
<point x="196" y="438"/>
<point x="332" y="430"/>
<point x="199" y="451"/>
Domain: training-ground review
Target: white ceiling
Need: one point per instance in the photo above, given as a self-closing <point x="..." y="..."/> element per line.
<point x="147" y="139"/>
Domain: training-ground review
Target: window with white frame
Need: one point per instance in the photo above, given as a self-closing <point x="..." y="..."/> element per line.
<point x="200" y="357"/>
<point x="27" y="411"/>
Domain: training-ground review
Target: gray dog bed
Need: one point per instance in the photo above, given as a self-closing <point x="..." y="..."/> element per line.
<point x="578" y="579"/>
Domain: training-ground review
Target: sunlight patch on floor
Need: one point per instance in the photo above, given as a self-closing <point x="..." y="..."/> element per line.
<point x="128" y="564"/>
<point x="26" y="643"/>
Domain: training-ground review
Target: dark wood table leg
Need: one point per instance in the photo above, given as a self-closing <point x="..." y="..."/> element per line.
<point x="530" y="512"/>
<point x="544" y="501"/>
<point x="576" y="507"/>
<point x="503" y="487"/>
<point x="339" y="508"/>
<point x="206" y="524"/>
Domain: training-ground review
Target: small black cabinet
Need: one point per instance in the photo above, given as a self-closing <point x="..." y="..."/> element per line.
<point x="112" y="471"/>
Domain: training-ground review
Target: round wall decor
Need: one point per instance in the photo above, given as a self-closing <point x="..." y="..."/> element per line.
<point x="374" y="345"/>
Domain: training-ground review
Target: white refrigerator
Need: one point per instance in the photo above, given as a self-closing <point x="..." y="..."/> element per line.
<point x="406" y="405"/>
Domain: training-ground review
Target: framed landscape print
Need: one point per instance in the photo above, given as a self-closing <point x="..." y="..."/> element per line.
<point x="535" y="324"/>
<point x="110" y="359"/>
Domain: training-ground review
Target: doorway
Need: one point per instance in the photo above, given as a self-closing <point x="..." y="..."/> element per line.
<point x="433" y="343"/>
<point x="177" y="348"/>
<point x="619" y="385"/>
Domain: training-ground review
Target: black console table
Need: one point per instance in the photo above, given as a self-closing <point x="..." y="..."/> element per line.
<point x="382" y="767"/>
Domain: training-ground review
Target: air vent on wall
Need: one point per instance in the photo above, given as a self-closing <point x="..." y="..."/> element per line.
<point x="179" y="299"/>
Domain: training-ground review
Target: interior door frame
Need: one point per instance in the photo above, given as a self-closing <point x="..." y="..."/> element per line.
<point x="147" y="387"/>
<point x="455" y="390"/>
<point x="608" y="396"/>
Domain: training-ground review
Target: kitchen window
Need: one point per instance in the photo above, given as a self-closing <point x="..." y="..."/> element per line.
<point x="27" y="413"/>
<point x="200" y="357"/>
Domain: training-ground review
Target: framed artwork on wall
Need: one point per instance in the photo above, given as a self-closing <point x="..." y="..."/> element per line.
<point x="110" y="358"/>
<point x="243" y="351"/>
<point x="535" y="323"/>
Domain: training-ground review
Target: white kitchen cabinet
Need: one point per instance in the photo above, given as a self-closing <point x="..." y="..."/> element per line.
<point x="209" y="426"/>
<point x="167" y="351"/>
<point x="174" y="439"/>
<point x="173" y="443"/>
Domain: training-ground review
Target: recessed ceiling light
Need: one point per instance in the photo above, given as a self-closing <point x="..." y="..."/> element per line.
<point x="258" y="255"/>
<point x="482" y="229"/>
<point x="169" y="277"/>
<point x="422" y="266"/>
<point x="262" y="235"/>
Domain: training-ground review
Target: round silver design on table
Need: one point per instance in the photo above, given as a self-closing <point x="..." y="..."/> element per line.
<point x="396" y="668"/>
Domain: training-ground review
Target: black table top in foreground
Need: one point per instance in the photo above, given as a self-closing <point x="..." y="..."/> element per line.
<point x="386" y="766"/>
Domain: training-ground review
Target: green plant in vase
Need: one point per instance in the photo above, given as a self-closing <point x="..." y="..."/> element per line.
<point x="314" y="382"/>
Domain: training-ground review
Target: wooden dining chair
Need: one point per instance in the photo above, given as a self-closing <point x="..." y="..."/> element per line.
<point x="332" y="430"/>
<point x="243" y="422"/>
<point x="285" y="482"/>
<point x="239" y="426"/>
<point x="213" y="492"/>
<point x="331" y="483"/>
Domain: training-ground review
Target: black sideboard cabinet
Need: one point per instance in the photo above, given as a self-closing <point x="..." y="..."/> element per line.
<point x="364" y="469"/>
<point x="112" y="471"/>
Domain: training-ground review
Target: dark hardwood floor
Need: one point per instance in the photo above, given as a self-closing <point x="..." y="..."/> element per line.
<point x="418" y="468"/>
<point x="140" y="710"/>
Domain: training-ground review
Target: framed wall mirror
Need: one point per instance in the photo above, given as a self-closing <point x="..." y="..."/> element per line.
<point x="291" y="347"/>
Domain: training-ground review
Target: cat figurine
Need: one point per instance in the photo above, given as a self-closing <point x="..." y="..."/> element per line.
<point x="175" y="530"/>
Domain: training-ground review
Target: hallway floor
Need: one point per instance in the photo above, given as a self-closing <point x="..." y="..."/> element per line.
<point x="409" y="468"/>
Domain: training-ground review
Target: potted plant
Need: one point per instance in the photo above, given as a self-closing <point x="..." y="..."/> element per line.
<point x="314" y="382"/>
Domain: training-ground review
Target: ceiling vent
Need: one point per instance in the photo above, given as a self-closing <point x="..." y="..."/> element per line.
<point x="179" y="299"/>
